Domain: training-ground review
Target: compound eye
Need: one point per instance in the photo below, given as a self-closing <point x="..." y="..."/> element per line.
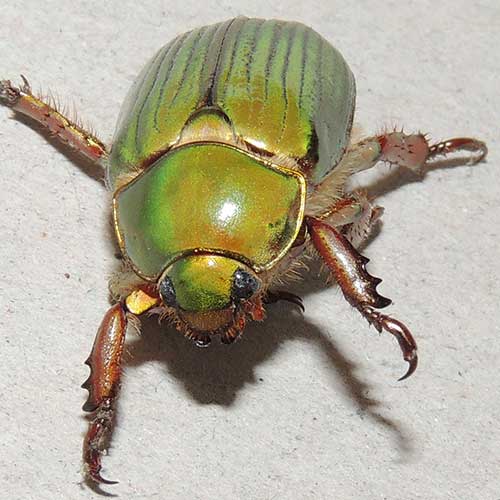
<point x="167" y="292"/>
<point x="244" y="284"/>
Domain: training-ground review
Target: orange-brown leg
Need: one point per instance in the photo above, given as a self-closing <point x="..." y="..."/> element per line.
<point x="355" y="214"/>
<point x="103" y="385"/>
<point x="348" y="267"/>
<point x="22" y="100"/>
<point x="411" y="151"/>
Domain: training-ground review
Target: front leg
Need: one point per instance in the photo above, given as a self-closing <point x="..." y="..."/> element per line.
<point x="103" y="385"/>
<point x="103" y="382"/>
<point x="348" y="267"/>
<point x="273" y="296"/>
<point x="66" y="131"/>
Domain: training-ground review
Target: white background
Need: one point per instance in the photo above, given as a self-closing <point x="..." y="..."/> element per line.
<point x="303" y="407"/>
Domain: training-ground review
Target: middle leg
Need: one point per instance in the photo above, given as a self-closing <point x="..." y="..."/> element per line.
<point x="355" y="216"/>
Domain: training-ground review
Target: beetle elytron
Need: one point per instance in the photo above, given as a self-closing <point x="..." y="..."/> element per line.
<point x="228" y="165"/>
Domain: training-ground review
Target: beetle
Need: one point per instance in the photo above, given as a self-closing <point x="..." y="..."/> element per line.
<point x="228" y="167"/>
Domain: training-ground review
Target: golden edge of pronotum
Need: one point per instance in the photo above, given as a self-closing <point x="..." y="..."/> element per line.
<point x="273" y="166"/>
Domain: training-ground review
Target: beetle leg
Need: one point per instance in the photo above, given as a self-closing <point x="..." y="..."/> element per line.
<point x="410" y="151"/>
<point x="355" y="214"/>
<point x="22" y="100"/>
<point x="144" y="298"/>
<point x="273" y="296"/>
<point x="348" y="267"/>
<point x="359" y="231"/>
<point x="413" y="151"/>
<point x="103" y="382"/>
<point x="478" y="148"/>
<point x="103" y="385"/>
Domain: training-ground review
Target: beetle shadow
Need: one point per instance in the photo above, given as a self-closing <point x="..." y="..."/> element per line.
<point x="217" y="374"/>
<point x="396" y="177"/>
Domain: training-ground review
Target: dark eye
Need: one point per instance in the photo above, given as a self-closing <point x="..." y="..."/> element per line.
<point x="167" y="292"/>
<point x="244" y="284"/>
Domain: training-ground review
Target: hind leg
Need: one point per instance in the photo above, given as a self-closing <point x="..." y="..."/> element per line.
<point x="411" y="151"/>
<point x="66" y="131"/>
<point x="396" y="148"/>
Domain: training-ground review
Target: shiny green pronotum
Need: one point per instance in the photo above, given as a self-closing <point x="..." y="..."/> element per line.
<point x="228" y="168"/>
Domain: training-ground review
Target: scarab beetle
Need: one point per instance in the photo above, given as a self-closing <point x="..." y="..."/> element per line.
<point x="228" y="166"/>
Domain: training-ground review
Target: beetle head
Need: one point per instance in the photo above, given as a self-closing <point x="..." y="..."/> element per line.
<point x="210" y="294"/>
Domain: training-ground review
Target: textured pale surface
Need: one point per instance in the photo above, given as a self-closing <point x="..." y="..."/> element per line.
<point x="301" y="407"/>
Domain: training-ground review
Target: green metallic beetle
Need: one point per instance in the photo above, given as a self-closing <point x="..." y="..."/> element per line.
<point x="228" y="168"/>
